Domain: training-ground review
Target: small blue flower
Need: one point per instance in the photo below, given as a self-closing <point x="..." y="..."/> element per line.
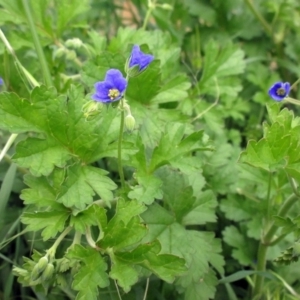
<point x="112" y="88"/>
<point x="1" y="81"/>
<point x="138" y="58"/>
<point x="279" y="90"/>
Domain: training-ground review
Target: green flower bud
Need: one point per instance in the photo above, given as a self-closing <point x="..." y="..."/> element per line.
<point x="92" y="109"/>
<point x="132" y="71"/>
<point x="166" y="6"/>
<point x="42" y="263"/>
<point x="129" y="122"/>
<point x="35" y="273"/>
<point x="39" y="268"/>
<point x="71" y="55"/>
<point x="48" y="272"/>
<point x="60" y="52"/>
<point x="73" y="43"/>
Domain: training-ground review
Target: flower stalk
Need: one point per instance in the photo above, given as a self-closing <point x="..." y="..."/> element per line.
<point x="267" y="241"/>
<point x="9" y="142"/>
<point x="259" y="17"/>
<point x="151" y="7"/>
<point x="37" y="44"/>
<point x="120" y="165"/>
<point x="51" y="251"/>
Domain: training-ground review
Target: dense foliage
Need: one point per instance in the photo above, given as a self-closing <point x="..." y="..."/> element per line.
<point x="143" y="154"/>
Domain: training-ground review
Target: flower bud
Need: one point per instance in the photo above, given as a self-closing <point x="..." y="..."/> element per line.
<point x="129" y="122"/>
<point x="60" y="52"/>
<point x="42" y="263"/>
<point x="73" y="43"/>
<point x="39" y="268"/>
<point x="166" y="6"/>
<point x="35" y="273"/>
<point x="137" y="62"/>
<point x="132" y="71"/>
<point x="92" y="109"/>
<point x="71" y="55"/>
<point x="48" y="272"/>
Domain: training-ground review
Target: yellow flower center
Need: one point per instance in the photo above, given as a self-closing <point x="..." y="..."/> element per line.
<point x="280" y="92"/>
<point x="113" y="94"/>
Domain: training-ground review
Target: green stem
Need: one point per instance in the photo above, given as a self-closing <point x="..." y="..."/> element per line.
<point x="146" y="289"/>
<point x="7" y="145"/>
<point x="269" y="200"/>
<point x="293" y="185"/>
<point x="291" y="100"/>
<point x="89" y="239"/>
<point x="260" y="18"/>
<point x="151" y="6"/>
<point x="76" y="239"/>
<point x="294" y="84"/>
<point x="120" y="166"/>
<point x="19" y="66"/>
<point x="37" y="44"/>
<point x="266" y="241"/>
<point x="51" y="252"/>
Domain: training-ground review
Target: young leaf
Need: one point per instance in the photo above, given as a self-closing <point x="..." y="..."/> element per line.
<point x="197" y="248"/>
<point x="91" y="275"/>
<point x="244" y="250"/>
<point x="270" y="152"/>
<point x="125" y="274"/>
<point x="94" y="215"/>
<point x="147" y="190"/>
<point x="165" y="266"/>
<point x="145" y="87"/>
<point x="41" y="156"/>
<point x="52" y="222"/>
<point x="205" y="288"/>
<point x="122" y="235"/>
<point x="80" y="184"/>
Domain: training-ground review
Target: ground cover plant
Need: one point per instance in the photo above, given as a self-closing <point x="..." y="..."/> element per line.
<point x="149" y="149"/>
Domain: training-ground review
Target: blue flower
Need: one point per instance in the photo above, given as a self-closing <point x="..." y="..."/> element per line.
<point x="279" y="90"/>
<point x="112" y="88"/>
<point x="1" y="81"/>
<point x="138" y="58"/>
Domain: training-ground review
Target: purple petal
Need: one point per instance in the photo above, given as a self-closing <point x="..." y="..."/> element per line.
<point x="287" y="87"/>
<point x="135" y="56"/>
<point x="116" y="79"/>
<point x="274" y="89"/>
<point x="139" y="58"/>
<point x="102" y="90"/>
<point x="145" y="61"/>
<point x="99" y="98"/>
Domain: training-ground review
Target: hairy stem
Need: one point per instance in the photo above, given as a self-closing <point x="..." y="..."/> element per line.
<point x="259" y="17"/>
<point x="151" y="7"/>
<point x="37" y="44"/>
<point x="7" y="145"/>
<point x="266" y="241"/>
<point x="295" y="83"/>
<point x="52" y="250"/>
<point x="88" y="236"/>
<point x="146" y="289"/>
<point x="31" y="80"/>
<point x="269" y="200"/>
<point x="120" y="165"/>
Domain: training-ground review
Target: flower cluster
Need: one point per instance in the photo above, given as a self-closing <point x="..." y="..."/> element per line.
<point x="114" y="85"/>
